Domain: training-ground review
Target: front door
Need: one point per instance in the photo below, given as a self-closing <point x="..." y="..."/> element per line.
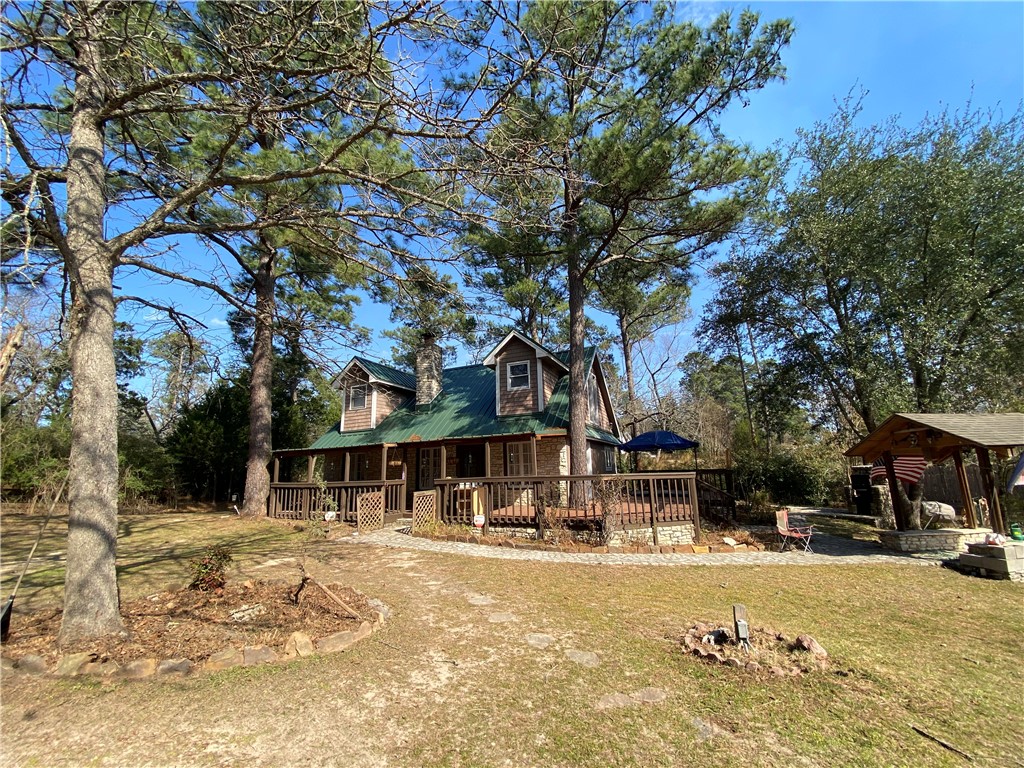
<point x="469" y="461"/>
<point x="429" y="468"/>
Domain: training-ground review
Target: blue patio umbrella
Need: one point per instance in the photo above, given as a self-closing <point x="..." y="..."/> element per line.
<point x="659" y="440"/>
<point x="1017" y="476"/>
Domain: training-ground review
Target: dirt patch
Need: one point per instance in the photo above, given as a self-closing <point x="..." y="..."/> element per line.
<point x="769" y="651"/>
<point x="190" y="624"/>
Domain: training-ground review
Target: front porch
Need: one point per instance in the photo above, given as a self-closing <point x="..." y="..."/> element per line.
<point x="655" y="506"/>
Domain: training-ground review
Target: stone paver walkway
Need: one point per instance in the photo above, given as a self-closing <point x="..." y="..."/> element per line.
<point x="829" y="550"/>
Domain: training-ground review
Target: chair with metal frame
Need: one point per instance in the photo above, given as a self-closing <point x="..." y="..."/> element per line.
<point x="792" y="537"/>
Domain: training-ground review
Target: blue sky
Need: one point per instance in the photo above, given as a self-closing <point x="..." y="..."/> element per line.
<point x="911" y="58"/>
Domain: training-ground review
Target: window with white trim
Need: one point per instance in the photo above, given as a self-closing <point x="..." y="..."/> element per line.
<point x="357" y="397"/>
<point x="520" y="459"/>
<point x="518" y="375"/>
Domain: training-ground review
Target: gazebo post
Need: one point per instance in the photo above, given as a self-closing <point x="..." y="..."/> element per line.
<point x="991" y="492"/>
<point x="894" y="491"/>
<point x="965" y="489"/>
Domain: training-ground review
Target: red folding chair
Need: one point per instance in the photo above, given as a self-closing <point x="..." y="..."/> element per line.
<point x="792" y="537"/>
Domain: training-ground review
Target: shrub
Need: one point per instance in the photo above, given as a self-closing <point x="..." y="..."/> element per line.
<point x="808" y="474"/>
<point x="208" y="570"/>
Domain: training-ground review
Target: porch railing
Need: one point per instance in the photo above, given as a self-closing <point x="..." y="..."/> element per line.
<point x="302" y="501"/>
<point x="606" y="502"/>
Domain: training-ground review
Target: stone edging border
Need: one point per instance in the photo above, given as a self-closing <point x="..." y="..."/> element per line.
<point x="298" y="645"/>
<point x="640" y="549"/>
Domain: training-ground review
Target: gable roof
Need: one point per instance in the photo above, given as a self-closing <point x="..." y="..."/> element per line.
<point x="464" y="409"/>
<point x="379" y="373"/>
<point x="937" y="436"/>
<point x="540" y="350"/>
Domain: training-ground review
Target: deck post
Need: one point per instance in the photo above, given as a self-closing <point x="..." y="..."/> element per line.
<point x="348" y="465"/>
<point x="487" y="458"/>
<point x="894" y="491"/>
<point x="991" y="491"/>
<point x="654" y="513"/>
<point x="965" y="489"/>
<point x="310" y="462"/>
<point x="695" y="509"/>
<point x="277" y="469"/>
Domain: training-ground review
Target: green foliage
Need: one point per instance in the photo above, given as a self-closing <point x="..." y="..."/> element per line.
<point x="427" y="302"/>
<point x="208" y="571"/>
<point x="887" y="271"/>
<point x="210" y="442"/>
<point x="812" y="473"/>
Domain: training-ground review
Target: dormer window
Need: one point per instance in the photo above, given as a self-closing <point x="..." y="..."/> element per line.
<point x="357" y="397"/>
<point x="518" y="376"/>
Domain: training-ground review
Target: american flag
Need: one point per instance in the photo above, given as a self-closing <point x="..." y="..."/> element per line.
<point x="908" y="468"/>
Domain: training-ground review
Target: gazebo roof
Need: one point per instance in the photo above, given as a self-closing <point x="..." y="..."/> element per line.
<point x="936" y="436"/>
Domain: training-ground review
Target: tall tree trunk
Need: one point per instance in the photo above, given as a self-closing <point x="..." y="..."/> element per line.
<point x="746" y="391"/>
<point x="91" y="604"/>
<point x="626" y="342"/>
<point x="578" y="400"/>
<point x="257" y="475"/>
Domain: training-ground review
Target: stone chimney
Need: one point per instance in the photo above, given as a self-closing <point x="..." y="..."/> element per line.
<point x="428" y="370"/>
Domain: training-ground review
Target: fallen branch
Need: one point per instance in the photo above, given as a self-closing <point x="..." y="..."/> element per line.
<point x="338" y="600"/>
<point x="942" y="743"/>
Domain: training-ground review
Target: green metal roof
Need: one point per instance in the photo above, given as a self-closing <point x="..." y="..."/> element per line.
<point x="387" y="374"/>
<point x="465" y="408"/>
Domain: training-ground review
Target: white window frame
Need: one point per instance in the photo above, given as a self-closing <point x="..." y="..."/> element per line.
<point x="510" y="375"/>
<point x="520" y="459"/>
<point x="351" y="397"/>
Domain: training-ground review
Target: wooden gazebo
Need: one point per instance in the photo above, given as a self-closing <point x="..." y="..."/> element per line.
<point x="939" y="436"/>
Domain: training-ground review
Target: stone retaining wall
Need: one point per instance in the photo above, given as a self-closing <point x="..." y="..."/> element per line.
<point x="942" y="540"/>
<point x="671" y="535"/>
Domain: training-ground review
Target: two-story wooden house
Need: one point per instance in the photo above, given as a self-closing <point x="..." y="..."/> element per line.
<point x="506" y="417"/>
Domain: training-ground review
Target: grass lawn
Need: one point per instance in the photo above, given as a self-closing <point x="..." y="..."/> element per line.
<point x="452" y="681"/>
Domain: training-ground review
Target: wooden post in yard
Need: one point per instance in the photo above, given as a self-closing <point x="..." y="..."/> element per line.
<point x="965" y="489"/>
<point x="894" y="491"/>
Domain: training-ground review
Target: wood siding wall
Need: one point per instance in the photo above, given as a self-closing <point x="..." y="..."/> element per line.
<point x="388" y="399"/>
<point x="552" y="374"/>
<point x="517" y="401"/>
<point x="604" y="416"/>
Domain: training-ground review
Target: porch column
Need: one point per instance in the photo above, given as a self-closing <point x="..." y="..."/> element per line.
<point x="991" y="491"/>
<point x="348" y="465"/>
<point x="310" y="462"/>
<point x="965" y="489"/>
<point x="894" y="491"/>
<point x="533" y="452"/>
<point x="277" y="469"/>
<point x="384" y="463"/>
<point x="444" y="461"/>
<point x="487" y="458"/>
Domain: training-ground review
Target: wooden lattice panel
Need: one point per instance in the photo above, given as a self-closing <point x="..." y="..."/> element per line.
<point x="370" y="511"/>
<point x="424" y="509"/>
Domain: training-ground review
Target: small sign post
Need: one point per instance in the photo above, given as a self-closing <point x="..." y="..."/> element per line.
<point x="740" y="626"/>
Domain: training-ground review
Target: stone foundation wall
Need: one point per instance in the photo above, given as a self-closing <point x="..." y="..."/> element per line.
<point x="671" y="535"/>
<point x="944" y="539"/>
